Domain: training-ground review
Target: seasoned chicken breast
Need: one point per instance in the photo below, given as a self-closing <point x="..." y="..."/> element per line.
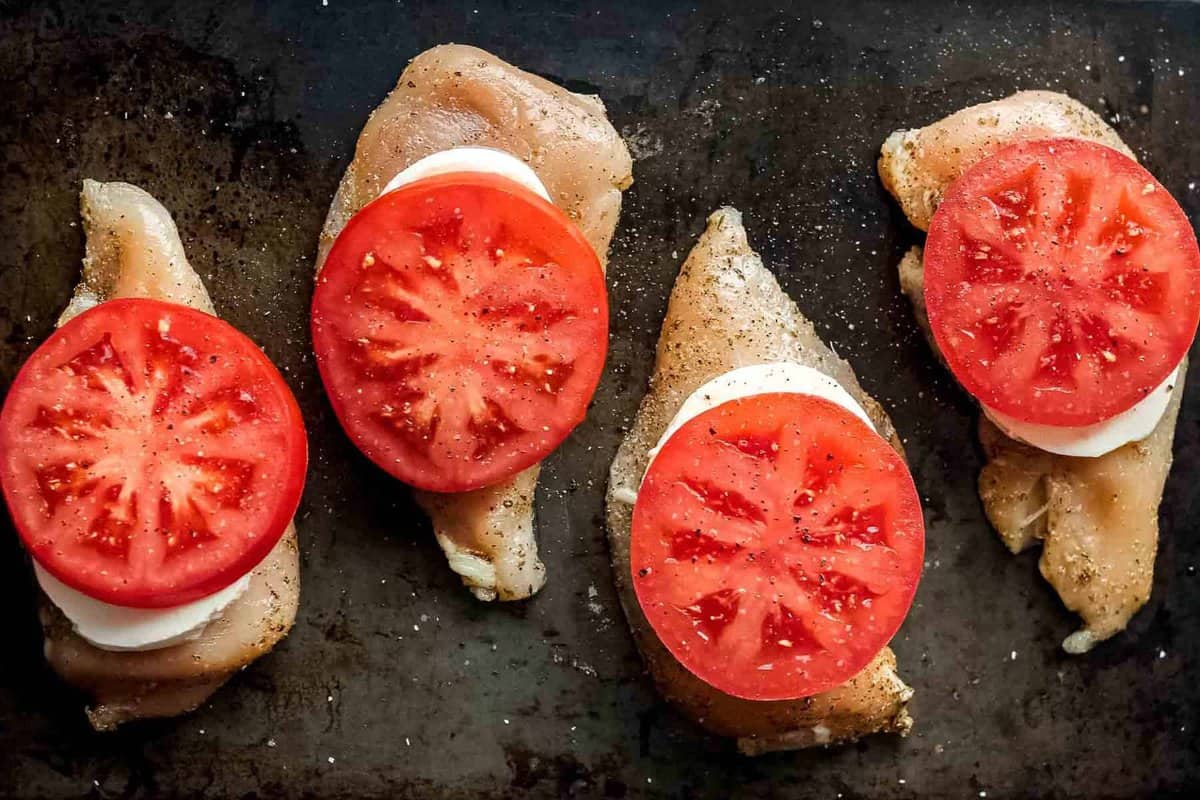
<point x="133" y="250"/>
<point x="727" y="311"/>
<point x="1097" y="518"/>
<point x="918" y="165"/>
<point x="453" y="96"/>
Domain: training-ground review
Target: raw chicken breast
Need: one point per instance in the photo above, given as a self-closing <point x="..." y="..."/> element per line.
<point x="727" y="311"/>
<point x="1097" y="518"/>
<point x="133" y="250"/>
<point x="918" y="165"/>
<point x="454" y="96"/>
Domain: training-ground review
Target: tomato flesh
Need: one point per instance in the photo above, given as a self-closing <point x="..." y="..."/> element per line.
<point x="776" y="545"/>
<point x="150" y="454"/>
<point x="460" y="325"/>
<point x="1062" y="282"/>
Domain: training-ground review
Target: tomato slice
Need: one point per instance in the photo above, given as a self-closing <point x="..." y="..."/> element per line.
<point x="460" y="325"/>
<point x="776" y="545"/>
<point x="1062" y="281"/>
<point x="150" y="454"/>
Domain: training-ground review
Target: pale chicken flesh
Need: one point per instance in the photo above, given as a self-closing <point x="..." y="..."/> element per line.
<point x="1096" y="518"/>
<point x="454" y="96"/>
<point x="727" y="311"/>
<point x="133" y="250"/>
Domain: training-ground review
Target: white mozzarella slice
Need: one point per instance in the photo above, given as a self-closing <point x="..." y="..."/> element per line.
<point x="111" y="627"/>
<point x="761" y="379"/>
<point x="470" y="159"/>
<point x="1092" y="441"/>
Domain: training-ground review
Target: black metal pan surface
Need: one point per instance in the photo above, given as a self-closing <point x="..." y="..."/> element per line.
<point x="395" y="682"/>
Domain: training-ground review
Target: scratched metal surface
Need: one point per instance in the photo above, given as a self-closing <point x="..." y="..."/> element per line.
<point x="395" y="683"/>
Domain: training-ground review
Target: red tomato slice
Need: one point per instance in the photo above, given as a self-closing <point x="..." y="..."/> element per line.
<point x="150" y="454"/>
<point x="460" y="325"/>
<point x="776" y="545"/>
<point x="1062" y="281"/>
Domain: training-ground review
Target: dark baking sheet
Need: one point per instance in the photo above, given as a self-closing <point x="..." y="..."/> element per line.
<point x="395" y="682"/>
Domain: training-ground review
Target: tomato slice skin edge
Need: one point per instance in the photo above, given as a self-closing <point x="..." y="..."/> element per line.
<point x="767" y="580"/>
<point x="1062" y="281"/>
<point x="364" y="235"/>
<point x="179" y="579"/>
